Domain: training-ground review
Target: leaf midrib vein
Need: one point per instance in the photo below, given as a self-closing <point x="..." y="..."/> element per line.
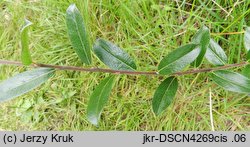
<point x="127" y="64"/>
<point x="82" y="44"/>
<point x="18" y="86"/>
<point x="165" y="93"/>
<point x="230" y="81"/>
<point x="177" y="60"/>
<point x="97" y="108"/>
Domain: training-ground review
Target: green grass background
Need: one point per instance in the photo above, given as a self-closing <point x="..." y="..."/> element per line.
<point x="148" y="30"/>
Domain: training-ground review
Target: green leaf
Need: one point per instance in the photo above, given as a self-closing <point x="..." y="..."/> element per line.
<point x="178" y="59"/>
<point x="164" y="94"/>
<point x="202" y="37"/>
<point x="25" y="54"/>
<point x="113" y="56"/>
<point x="248" y="55"/>
<point x="215" y="54"/>
<point x="98" y="99"/>
<point x="231" y="81"/>
<point x="247" y="39"/>
<point x="246" y="71"/>
<point x="78" y="34"/>
<point x="24" y="82"/>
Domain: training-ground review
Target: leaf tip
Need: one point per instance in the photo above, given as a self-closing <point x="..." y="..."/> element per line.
<point x="205" y="27"/>
<point x="27" y="21"/>
<point x="93" y="120"/>
<point x="26" y="24"/>
<point x="157" y="113"/>
<point x="72" y="7"/>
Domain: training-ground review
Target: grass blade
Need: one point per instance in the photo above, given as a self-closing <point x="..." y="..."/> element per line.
<point x="202" y="37"/>
<point x="248" y="55"/>
<point x="231" y="81"/>
<point x="98" y="99"/>
<point x="25" y="54"/>
<point x="113" y="56"/>
<point x="215" y="54"/>
<point x="178" y="59"/>
<point x="23" y="83"/>
<point x="164" y="95"/>
<point x="78" y="34"/>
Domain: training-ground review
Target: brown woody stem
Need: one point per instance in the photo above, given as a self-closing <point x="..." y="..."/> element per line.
<point x="81" y="69"/>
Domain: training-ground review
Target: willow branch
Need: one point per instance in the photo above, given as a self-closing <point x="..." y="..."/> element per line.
<point x="104" y="70"/>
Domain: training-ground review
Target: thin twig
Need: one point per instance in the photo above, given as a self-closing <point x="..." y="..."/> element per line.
<point x="104" y="70"/>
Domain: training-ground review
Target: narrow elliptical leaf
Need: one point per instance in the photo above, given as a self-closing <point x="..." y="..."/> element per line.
<point x="113" y="56"/>
<point x="178" y="59"/>
<point x="231" y="81"/>
<point x="24" y="82"/>
<point x="202" y="37"/>
<point x="215" y="54"/>
<point x="78" y="34"/>
<point x="247" y="42"/>
<point x="98" y="99"/>
<point x="164" y="94"/>
<point x="247" y="39"/>
<point x="25" y="54"/>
